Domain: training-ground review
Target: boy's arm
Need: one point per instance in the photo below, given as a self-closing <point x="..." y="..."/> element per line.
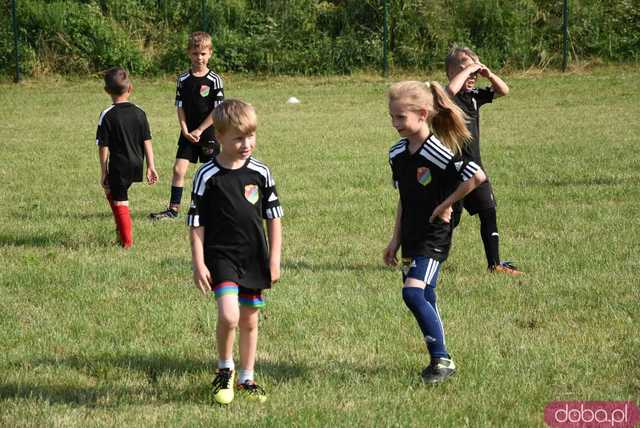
<point x="207" y="122"/>
<point x="499" y="86"/>
<point x="456" y="84"/>
<point x="444" y="210"/>
<point x="390" y="252"/>
<point x="201" y="274"/>
<point x="152" y="174"/>
<point x="184" y="129"/>
<point x="103" y="155"/>
<point x="274" y="234"/>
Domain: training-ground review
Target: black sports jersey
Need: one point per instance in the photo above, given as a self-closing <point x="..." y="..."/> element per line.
<point x="123" y="127"/>
<point x="470" y="102"/>
<point x="425" y="179"/>
<point x="198" y="96"/>
<point x="231" y="204"/>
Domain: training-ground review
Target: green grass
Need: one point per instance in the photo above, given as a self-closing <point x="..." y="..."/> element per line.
<point x="91" y="335"/>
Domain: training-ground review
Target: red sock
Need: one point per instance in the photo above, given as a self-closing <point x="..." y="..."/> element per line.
<point x="123" y="222"/>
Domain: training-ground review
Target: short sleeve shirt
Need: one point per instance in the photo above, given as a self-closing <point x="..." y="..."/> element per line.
<point x="198" y="96"/>
<point x="470" y="102"/>
<point x="424" y="179"/>
<point x="123" y="128"/>
<point x="231" y="205"/>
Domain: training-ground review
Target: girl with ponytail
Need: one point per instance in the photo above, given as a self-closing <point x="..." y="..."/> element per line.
<point x="430" y="179"/>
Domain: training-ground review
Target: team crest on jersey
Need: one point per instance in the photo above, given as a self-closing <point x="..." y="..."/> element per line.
<point x="204" y="90"/>
<point x="423" y="175"/>
<point x="251" y="193"/>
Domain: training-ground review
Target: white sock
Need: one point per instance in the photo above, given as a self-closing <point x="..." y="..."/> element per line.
<point x="226" y="364"/>
<point x="245" y="375"/>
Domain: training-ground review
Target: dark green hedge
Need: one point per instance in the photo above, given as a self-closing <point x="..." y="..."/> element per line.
<point x="311" y="36"/>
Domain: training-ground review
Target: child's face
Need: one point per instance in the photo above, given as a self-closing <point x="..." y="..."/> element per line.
<point x="237" y="145"/>
<point x="407" y="122"/>
<point x="471" y="81"/>
<point x="199" y="57"/>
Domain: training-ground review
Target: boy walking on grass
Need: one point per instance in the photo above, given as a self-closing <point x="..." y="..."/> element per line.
<point x="123" y="140"/>
<point x="232" y="195"/>
<point x="198" y="92"/>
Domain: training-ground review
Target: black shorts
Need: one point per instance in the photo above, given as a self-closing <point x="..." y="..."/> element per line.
<point x="257" y="277"/>
<point x="119" y="188"/>
<point x="481" y="198"/>
<point x="204" y="150"/>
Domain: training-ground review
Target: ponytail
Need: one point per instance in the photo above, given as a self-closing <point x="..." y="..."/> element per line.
<point x="447" y="119"/>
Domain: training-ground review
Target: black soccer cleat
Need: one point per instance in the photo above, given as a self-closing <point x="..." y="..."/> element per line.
<point x="169" y="214"/>
<point x="439" y="370"/>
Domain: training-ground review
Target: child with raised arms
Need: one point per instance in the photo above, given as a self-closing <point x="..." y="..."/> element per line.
<point x="124" y="141"/>
<point x="429" y="181"/>
<point x="463" y="67"/>
<point x="198" y="91"/>
<point x="232" y="195"/>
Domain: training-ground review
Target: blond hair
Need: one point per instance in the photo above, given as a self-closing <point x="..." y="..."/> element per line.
<point x="445" y="118"/>
<point x="199" y="40"/>
<point x="456" y="57"/>
<point x="236" y="115"/>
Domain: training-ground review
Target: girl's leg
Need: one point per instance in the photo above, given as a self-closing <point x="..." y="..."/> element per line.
<point x="417" y="293"/>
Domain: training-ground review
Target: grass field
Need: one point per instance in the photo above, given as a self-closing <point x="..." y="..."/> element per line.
<point x="92" y="335"/>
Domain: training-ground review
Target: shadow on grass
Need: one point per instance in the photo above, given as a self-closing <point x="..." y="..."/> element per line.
<point x="133" y="379"/>
<point x="38" y="240"/>
<point x="92" y="215"/>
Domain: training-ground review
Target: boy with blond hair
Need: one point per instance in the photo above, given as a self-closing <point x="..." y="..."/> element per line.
<point x="463" y="67"/>
<point x="123" y="140"/>
<point x="232" y="195"/>
<point x="199" y="91"/>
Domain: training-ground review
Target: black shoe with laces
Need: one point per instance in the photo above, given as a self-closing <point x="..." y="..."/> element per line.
<point x="439" y="370"/>
<point x="169" y="213"/>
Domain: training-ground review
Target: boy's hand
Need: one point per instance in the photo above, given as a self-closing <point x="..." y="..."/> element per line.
<point x="103" y="181"/>
<point x="275" y="272"/>
<point x="196" y="133"/>
<point x="473" y="68"/>
<point x="152" y="175"/>
<point x="389" y="255"/>
<point x="484" y="70"/>
<point x="443" y="212"/>
<point x="189" y="137"/>
<point x="202" y="279"/>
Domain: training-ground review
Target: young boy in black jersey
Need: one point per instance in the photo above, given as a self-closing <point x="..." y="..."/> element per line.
<point x="198" y="92"/>
<point x="463" y="67"/>
<point x="123" y="140"/>
<point x="232" y="195"/>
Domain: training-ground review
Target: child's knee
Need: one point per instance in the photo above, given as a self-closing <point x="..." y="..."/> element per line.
<point x="229" y="319"/>
<point x="180" y="167"/>
<point x="249" y="321"/>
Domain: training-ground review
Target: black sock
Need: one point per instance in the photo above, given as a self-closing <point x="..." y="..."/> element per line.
<point x="490" y="236"/>
<point x="176" y="195"/>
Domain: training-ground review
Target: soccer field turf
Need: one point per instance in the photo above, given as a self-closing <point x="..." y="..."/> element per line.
<point x="92" y="335"/>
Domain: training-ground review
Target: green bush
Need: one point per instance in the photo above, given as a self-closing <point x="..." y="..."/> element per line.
<point x="311" y="36"/>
